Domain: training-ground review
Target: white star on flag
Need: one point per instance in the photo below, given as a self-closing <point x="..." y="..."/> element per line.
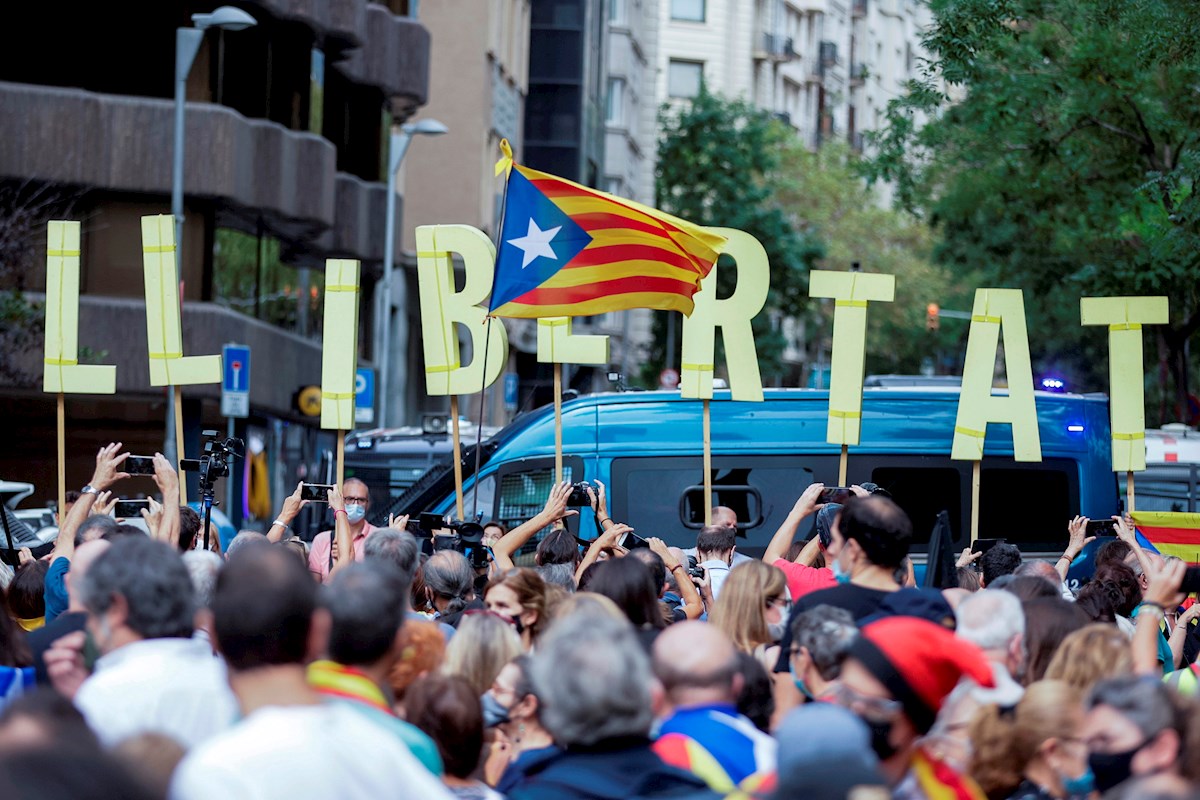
<point x="535" y="243"/>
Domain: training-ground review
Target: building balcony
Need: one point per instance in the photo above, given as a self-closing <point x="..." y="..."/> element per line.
<point x="394" y="57"/>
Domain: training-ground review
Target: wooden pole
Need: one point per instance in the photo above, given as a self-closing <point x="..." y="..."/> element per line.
<point x="62" y="459"/>
<point x="341" y="459"/>
<point x="974" y="501"/>
<point x="179" y="453"/>
<point x="458" y="480"/>
<point x="707" y="465"/>
<point x="558" y="458"/>
<point x="842" y="465"/>
<point x="1129" y="492"/>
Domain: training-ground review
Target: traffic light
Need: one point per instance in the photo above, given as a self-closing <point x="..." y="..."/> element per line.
<point x="931" y="317"/>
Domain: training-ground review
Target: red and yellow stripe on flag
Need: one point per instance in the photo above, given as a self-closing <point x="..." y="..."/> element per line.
<point x="1172" y="533"/>
<point x="638" y="257"/>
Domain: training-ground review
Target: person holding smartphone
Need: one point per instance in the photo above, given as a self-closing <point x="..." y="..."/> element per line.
<point x="356" y="498"/>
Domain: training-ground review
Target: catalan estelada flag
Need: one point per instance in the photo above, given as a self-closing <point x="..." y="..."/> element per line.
<point x="567" y="250"/>
<point x="1172" y="533"/>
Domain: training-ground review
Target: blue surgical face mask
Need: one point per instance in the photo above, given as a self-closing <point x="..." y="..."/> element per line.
<point x="840" y="573"/>
<point x="1081" y="786"/>
<point x="804" y="690"/>
<point x="494" y="712"/>
<point x="355" y="512"/>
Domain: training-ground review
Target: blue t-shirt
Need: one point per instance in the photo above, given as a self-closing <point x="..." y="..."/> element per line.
<point x="1165" y="656"/>
<point x="56" y="588"/>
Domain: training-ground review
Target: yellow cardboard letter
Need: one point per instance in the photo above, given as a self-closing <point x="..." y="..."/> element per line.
<point x="164" y="333"/>
<point x="733" y="316"/>
<point x="977" y="406"/>
<point x="557" y="345"/>
<point x="1125" y="317"/>
<point x="852" y="291"/>
<point x="442" y="307"/>
<point x="63" y="372"/>
<point x="339" y="346"/>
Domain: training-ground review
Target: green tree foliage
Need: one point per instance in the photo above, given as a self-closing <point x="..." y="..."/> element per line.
<point x="824" y="193"/>
<point x="719" y="165"/>
<point x="1064" y="161"/>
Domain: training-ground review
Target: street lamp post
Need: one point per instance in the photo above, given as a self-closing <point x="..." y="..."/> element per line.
<point x="398" y="144"/>
<point x="187" y="45"/>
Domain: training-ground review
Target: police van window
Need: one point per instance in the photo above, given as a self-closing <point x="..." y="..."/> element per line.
<point x="523" y="489"/>
<point x="1029" y="505"/>
<point x="647" y="493"/>
<point x="923" y="492"/>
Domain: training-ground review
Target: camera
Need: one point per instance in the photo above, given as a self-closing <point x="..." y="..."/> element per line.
<point x="579" y="494"/>
<point x="694" y="569"/>
<point x="213" y="463"/>
<point x="465" y="537"/>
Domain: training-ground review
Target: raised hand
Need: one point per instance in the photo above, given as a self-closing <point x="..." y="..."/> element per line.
<point x="105" y="503"/>
<point x="807" y="503"/>
<point x="556" y="503"/>
<point x="108" y="467"/>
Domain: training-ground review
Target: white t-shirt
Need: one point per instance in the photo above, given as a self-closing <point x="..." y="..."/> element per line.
<point x="175" y="687"/>
<point x="285" y="752"/>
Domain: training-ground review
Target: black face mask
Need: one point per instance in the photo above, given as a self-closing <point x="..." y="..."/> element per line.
<point x="880" y="738"/>
<point x="1112" y="769"/>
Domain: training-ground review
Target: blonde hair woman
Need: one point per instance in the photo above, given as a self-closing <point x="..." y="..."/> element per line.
<point x="1091" y="654"/>
<point x="753" y="609"/>
<point x="482" y="645"/>
<point x="1032" y="751"/>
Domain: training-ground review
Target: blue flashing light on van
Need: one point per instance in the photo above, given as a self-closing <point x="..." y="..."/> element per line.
<point x="646" y="448"/>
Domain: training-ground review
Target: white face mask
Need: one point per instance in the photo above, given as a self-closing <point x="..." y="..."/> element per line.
<point x="355" y="512"/>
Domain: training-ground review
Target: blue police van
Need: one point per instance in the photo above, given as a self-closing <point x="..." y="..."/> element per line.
<point x="647" y="449"/>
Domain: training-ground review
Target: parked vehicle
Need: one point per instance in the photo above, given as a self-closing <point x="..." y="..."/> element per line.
<point x="646" y="447"/>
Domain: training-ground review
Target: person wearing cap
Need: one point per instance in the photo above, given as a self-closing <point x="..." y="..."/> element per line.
<point x="897" y="674"/>
<point x="802" y="577"/>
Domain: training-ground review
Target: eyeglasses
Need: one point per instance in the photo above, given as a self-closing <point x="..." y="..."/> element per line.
<point x="362" y="501"/>
<point x="878" y="709"/>
<point x="782" y="603"/>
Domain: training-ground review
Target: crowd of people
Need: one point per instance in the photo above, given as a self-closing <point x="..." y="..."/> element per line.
<point x="136" y="664"/>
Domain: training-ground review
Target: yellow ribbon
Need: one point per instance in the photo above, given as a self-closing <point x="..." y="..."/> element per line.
<point x="433" y="254"/>
<point x="851" y="303"/>
<point x="698" y="367"/>
<point x="969" y="432"/>
<point x="505" y="164"/>
<point x="1129" y="437"/>
<point x="62" y="362"/>
<point x="63" y="253"/>
<point x="166" y="355"/>
<point x="833" y="412"/>
<point x="1127" y="326"/>
<point x="342" y="287"/>
<point x="159" y="248"/>
<point x="552" y="323"/>
<point x="336" y="395"/>
<point x="984" y="318"/>
<point x="443" y="368"/>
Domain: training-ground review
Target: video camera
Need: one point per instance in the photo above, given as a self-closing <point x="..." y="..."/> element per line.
<point x="213" y="463"/>
<point x="465" y="537"/>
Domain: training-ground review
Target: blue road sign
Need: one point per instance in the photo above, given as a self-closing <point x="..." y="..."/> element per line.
<point x="364" y="395"/>
<point x="511" y="385"/>
<point x="235" y="384"/>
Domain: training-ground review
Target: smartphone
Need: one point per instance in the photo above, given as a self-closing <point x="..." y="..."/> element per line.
<point x="127" y="509"/>
<point x="316" y="492"/>
<point x="631" y="540"/>
<point x="139" y="465"/>
<point x="835" y="494"/>
<point x="1101" y="527"/>
<point x="1191" y="581"/>
<point x="983" y="545"/>
<point x="430" y="522"/>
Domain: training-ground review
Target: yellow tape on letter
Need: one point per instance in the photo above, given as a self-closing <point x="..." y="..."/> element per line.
<point x="63" y="372"/>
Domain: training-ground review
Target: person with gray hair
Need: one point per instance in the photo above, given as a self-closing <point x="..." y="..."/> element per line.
<point x="821" y="637"/>
<point x="202" y="567"/>
<point x="245" y="539"/>
<point x="994" y="620"/>
<point x="401" y="552"/>
<point x="366" y="605"/>
<point x="151" y="677"/>
<point x="1134" y="727"/>
<point x="1044" y="569"/>
<point x="450" y="585"/>
<point x="593" y="683"/>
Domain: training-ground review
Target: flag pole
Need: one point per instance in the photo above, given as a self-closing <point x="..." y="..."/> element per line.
<point x="558" y="430"/>
<point x="707" y="464"/>
<point x="487" y="335"/>
<point x="974" y="501"/>
<point x="458" y="479"/>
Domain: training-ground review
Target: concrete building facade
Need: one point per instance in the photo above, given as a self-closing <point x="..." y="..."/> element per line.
<point x="286" y="126"/>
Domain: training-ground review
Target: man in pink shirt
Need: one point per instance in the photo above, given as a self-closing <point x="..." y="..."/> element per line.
<point x="357" y="498"/>
<point x="802" y="578"/>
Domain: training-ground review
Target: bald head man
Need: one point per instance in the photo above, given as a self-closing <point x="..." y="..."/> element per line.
<point x="75" y="617"/>
<point x="724" y="515"/>
<point x="698" y="668"/>
<point x="358" y="501"/>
